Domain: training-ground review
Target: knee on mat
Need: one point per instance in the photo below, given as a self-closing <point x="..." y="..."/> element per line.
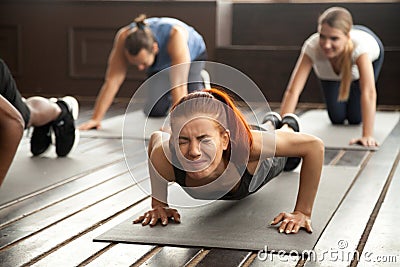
<point x="337" y="121"/>
<point x="354" y="121"/>
<point x="337" y="118"/>
<point x="156" y="111"/>
<point x="351" y="121"/>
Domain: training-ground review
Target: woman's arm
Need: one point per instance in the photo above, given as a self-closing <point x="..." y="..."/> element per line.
<point x="115" y="75"/>
<point x="161" y="172"/>
<point x="368" y="101"/>
<point x="296" y="84"/>
<point x="311" y="150"/>
<point x="178" y="50"/>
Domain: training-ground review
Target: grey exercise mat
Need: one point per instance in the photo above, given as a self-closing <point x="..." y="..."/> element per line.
<point x="382" y="240"/>
<point x="244" y="224"/>
<point x="29" y="174"/>
<point x="137" y="126"/>
<point x="316" y="122"/>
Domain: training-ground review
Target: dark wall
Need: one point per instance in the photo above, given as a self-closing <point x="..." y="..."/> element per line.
<point x="57" y="47"/>
<point x="267" y="38"/>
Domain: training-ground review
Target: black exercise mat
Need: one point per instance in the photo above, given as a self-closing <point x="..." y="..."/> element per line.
<point x="244" y="224"/>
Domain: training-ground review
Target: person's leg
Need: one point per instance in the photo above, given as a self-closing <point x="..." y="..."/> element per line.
<point x="160" y="107"/>
<point x="273" y="120"/>
<point x="354" y="104"/>
<point x="9" y="90"/>
<point x="158" y="99"/>
<point x="270" y="167"/>
<point x="336" y="109"/>
<point x="290" y="122"/>
<point x="11" y="130"/>
<point x="354" y="101"/>
<point x="41" y="138"/>
<point x="377" y="64"/>
<point x="268" y="170"/>
<point x="67" y="136"/>
<point x="157" y="88"/>
<point x="42" y="113"/>
<point x="58" y="115"/>
<point x="195" y="81"/>
<point x="42" y="110"/>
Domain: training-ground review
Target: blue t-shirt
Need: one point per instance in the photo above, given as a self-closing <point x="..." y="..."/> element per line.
<point x="161" y="29"/>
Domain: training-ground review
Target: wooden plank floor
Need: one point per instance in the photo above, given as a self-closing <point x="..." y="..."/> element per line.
<point x="56" y="226"/>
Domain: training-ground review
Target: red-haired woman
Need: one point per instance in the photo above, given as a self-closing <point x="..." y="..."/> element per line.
<point x="213" y="153"/>
<point x="347" y="60"/>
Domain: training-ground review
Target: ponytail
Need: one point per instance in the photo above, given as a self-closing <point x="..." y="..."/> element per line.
<point x="140" y="21"/>
<point x="340" y="18"/>
<point x="346" y="63"/>
<point x="239" y="118"/>
<point x="141" y="38"/>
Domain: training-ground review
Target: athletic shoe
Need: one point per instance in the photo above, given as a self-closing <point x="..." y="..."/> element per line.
<point x="293" y="122"/>
<point x="274" y="118"/>
<point x="40" y="139"/>
<point x="66" y="135"/>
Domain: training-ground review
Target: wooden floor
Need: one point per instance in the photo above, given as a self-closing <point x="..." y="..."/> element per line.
<point x="56" y="226"/>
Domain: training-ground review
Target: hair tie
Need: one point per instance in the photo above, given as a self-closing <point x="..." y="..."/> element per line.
<point x="140" y="26"/>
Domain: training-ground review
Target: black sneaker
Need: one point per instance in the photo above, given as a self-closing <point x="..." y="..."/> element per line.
<point x="293" y="122"/>
<point x="274" y="118"/>
<point x="66" y="135"/>
<point x="40" y="139"/>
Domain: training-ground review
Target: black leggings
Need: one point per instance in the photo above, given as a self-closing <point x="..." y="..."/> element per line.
<point x="9" y="90"/>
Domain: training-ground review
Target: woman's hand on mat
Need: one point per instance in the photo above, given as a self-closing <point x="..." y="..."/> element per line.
<point x="368" y="141"/>
<point x="161" y="214"/>
<point x="291" y="223"/>
<point x="89" y="125"/>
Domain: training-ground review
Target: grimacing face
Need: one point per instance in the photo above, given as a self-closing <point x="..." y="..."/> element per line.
<point x="201" y="143"/>
<point x="332" y="41"/>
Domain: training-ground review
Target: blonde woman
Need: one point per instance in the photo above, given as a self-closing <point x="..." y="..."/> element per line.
<point x="347" y="60"/>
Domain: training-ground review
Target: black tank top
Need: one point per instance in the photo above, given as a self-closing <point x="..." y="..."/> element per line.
<point x="241" y="191"/>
